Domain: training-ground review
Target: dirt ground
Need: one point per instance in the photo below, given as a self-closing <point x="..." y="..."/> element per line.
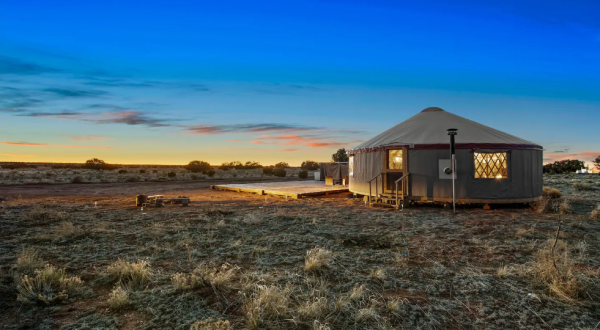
<point x="256" y="262"/>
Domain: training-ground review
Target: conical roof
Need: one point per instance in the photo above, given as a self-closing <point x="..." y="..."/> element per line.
<point x="427" y="129"/>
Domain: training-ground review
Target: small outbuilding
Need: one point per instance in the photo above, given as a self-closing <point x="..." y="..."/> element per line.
<point x="491" y="166"/>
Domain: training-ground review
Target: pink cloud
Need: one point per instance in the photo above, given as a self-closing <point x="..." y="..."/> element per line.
<point x="584" y="155"/>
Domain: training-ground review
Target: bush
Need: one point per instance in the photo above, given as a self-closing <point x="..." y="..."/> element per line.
<point x="122" y="171"/>
<point x="268" y="170"/>
<point x="194" y="177"/>
<point x="133" y="275"/>
<point x="119" y="298"/>
<point x="142" y="171"/>
<point x="48" y="285"/>
<point x="582" y="186"/>
<point x="303" y="174"/>
<point x="210" y="173"/>
<point x="197" y="166"/>
<point x="309" y="165"/>
<point x="282" y="165"/>
<point x="97" y="164"/>
<point x="238" y="165"/>
<point x="132" y="179"/>
<point x="279" y="171"/>
<point x="77" y="179"/>
<point x="171" y="174"/>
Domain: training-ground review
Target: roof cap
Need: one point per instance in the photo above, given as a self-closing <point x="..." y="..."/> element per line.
<point x="431" y="109"/>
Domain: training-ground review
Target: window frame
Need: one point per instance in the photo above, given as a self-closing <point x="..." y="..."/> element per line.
<point x="386" y="160"/>
<point x="351" y="166"/>
<point x="507" y="160"/>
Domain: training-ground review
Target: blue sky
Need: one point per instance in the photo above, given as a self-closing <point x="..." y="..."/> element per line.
<point x="167" y="82"/>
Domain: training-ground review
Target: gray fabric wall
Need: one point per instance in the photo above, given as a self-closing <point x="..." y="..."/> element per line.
<point x="366" y="167"/>
<point x="524" y="175"/>
<point x="335" y="170"/>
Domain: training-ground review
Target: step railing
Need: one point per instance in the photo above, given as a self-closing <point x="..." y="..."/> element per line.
<point x="404" y="181"/>
<point x="376" y="187"/>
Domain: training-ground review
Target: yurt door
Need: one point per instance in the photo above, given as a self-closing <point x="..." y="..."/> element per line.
<point x="394" y="167"/>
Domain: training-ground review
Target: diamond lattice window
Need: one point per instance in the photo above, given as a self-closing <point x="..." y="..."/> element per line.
<point x="490" y="165"/>
<point x="395" y="159"/>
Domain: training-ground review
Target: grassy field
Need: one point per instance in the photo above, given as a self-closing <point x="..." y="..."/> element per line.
<point x="240" y="261"/>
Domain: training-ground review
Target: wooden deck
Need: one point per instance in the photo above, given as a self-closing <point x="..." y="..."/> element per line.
<point x="293" y="189"/>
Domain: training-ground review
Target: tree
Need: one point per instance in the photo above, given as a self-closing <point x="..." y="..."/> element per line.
<point x="196" y="166"/>
<point x="340" y="156"/>
<point x="282" y="165"/>
<point x="597" y="162"/>
<point x="309" y="165"/>
<point x="564" y="166"/>
<point x="97" y="164"/>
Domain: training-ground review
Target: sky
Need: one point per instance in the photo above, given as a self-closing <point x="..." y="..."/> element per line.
<point x="167" y="82"/>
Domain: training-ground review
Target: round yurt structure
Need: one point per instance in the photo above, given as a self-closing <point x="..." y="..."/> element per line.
<point x="491" y="166"/>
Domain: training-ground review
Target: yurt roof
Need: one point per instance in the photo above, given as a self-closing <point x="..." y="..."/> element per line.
<point x="427" y="129"/>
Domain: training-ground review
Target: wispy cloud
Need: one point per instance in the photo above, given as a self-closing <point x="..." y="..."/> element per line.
<point x="64" y="92"/>
<point x="30" y="144"/>
<point x="9" y="65"/>
<point x="248" y="128"/>
<point x="11" y="155"/>
<point x="129" y="117"/>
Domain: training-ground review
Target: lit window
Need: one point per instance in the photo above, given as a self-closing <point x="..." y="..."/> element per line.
<point x="395" y="159"/>
<point x="351" y="166"/>
<point x="490" y="165"/>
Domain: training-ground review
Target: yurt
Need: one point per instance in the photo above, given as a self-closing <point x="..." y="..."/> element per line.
<point x="491" y="166"/>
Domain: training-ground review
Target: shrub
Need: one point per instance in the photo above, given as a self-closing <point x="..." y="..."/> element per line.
<point x="309" y="165"/>
<point x="122" y="171"/>
<point x="580" y="186"/>
<point x="48" y="285"/>
<point x="154" y="171"/>
<point x="132" y="179"/>
<point x="279" y="171"/>
<point x="303" y="174"/>
<point x="210" y="173"/>
<point x="194" y="177"/>
<point x="211" y="324"/>
<point x="133" y="275"/>
<point x="118" y="298"/>
<point x="219" y="279"/>
<point x="142" y="171"/>
<point x="197" y="166"/>
<point x="316" y="260"/>
<point x="171" y="174"/>
<point x="17" y="166"/>
<point x="97" y="164"/>
<point x="268" y="170"/>
<point x="282" y="165"/>
<point x="77" y="179"/>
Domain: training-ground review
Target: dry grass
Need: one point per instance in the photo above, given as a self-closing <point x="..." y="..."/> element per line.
<point x="596" y="213"/>
<point x="582" y="186"/>
<point x="48" y="285"/>
<point x="211" y="324"/>
<point x="317" y="260"/>
<point x="118" y="298"/>
<point x="267" y="306"/>
<point x="221" y="279"/>
<point x="28" y="261"/>
<point x="557" y="269"/>
<point x="131" y="275"/>
<point x="422" y="268"/>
